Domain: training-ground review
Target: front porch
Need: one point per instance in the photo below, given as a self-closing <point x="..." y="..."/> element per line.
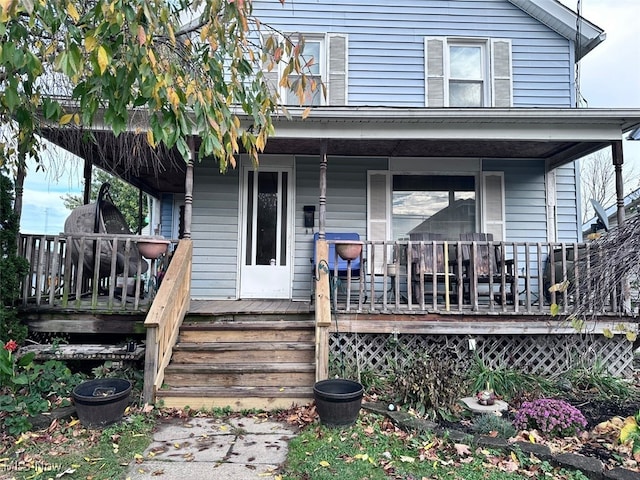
<point x="507" y="318"/>
<point x="455" y="279"/>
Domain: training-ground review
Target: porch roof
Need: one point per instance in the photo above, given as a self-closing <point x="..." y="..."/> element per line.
<point x="557" y="135"/>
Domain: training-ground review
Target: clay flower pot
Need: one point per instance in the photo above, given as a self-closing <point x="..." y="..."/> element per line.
<point x="349" y="251"/>
<point x="152" y="247"/>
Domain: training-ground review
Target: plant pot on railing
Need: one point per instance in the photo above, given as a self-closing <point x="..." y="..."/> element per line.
<point x="338" y="401"/>
<point x="349" y="251"/>
<point x="102" y="401"/>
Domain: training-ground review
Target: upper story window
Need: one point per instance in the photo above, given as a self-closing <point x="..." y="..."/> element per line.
<point x="314" y="55"/>
<point x="328" y="68"/>
<point x="468" y="72"/>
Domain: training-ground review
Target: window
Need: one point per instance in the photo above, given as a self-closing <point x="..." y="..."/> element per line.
<point x="466" y="75"/>
<point x="401" y="205"/>
<point x="472" y="72"/>
<point x="329" y="53"/>
<point x="313" y="51"/>
<point x="442" y="204"/>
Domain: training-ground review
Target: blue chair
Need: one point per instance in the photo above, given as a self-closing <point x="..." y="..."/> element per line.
<point x="342" y="264"/>
<point x="357" y="269"/>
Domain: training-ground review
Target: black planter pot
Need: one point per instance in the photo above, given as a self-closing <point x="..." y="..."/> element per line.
<point x="101" y="402"/>
<point x="338" y="401"/>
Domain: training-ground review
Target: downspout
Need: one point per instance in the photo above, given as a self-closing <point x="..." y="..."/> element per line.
<point x="321" y="277"/>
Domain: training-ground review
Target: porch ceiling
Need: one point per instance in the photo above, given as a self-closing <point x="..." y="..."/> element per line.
<point x="558" y="136"/>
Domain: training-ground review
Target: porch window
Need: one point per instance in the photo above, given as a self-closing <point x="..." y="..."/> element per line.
<point x="442" y="204"/>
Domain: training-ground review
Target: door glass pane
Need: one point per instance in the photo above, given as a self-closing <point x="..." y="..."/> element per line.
<point x="267" y="221"/>
<point x="249" y="242"/>
<point x="283" y="220"/>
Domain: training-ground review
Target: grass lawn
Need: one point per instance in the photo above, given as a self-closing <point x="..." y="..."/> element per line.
<point x="67" y="450"/>
<point x="375" y="449"/>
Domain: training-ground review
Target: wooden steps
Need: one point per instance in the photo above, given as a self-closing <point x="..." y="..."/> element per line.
<point x="244" y="364"/>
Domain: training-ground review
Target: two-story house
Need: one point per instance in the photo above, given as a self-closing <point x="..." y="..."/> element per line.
<point x="447" y="141"/>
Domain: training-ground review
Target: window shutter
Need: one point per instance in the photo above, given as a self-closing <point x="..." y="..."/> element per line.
<point x="337" y="71"/>
<point x="270" y="70"/>
<point x="434" y="65"/>
<point x="502" y="88"/>
<point x="378" y="214"/>
<point x="493" y="204"/>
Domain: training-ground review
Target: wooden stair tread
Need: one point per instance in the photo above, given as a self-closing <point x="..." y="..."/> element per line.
<point x="241" y="368"/>
<point x="285" y="392"/>
<point x="242" y="346"/>
<point x="249" y="325"/>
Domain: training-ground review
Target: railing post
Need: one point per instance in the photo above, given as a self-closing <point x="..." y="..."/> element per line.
<point x="323" y="309"/>
<point x="150" y="364"/>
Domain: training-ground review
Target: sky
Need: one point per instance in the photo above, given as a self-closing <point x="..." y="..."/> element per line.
<point x="610" y="77"/>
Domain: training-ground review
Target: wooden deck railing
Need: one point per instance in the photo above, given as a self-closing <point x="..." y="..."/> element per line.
<point x="165" y="318"/>
<point x="472" y="276"/>
<point x="87" y="271"/>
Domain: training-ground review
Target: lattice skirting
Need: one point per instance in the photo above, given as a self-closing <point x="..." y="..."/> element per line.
<point x="538" y="354"/>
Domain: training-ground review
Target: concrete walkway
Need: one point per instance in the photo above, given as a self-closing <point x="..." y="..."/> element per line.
<point x="205" y="448"/>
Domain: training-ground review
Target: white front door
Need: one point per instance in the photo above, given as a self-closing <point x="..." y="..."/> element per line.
<point x="265" y="263"/>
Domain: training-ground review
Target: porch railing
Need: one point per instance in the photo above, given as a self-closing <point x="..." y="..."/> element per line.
<point x="476" y="276"/>
<point x="165" y="318"/>
<point x="88" y="271"/>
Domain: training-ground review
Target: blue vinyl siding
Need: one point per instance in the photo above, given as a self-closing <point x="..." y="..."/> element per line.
<point x="525" y="199"/>
<point x="166" y="215"/>
<point x="568" y="224"/>
<point x="214" y="232"/>
<point x="386" y="50"/>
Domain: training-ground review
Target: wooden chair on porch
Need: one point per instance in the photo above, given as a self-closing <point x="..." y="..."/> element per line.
<point x="485" y="266"/>
<point x="425" y="265"/>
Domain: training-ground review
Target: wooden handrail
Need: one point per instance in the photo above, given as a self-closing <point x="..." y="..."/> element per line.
<point x="165" y="317"/>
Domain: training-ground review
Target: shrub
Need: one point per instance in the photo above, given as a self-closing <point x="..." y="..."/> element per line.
<point x="551" y="417"/>
<point x="431" y="384"/>
<point x="12" y="266"/>
<point x="487" y="423"/>
<point x="508" y="383"/>
<point x="594" y="378"/>
<point x="27" y="388"/>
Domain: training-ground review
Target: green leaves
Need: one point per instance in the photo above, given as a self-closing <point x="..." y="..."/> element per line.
<point x="69" y="61"/>
<point x="112" y="57"/>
